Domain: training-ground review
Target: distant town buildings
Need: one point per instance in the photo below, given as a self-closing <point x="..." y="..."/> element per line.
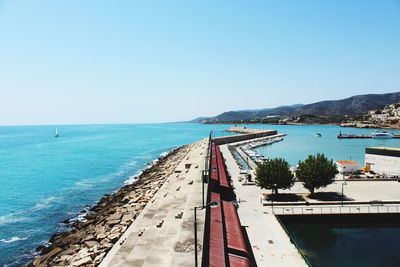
<point x="389" y="115"/>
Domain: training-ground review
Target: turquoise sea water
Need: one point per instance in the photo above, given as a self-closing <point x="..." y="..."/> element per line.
<point x="302" y="141"/>
<point x="46" y="180"/>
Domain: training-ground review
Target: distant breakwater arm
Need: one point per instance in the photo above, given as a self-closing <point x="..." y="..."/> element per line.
<point x="246" y="134"/>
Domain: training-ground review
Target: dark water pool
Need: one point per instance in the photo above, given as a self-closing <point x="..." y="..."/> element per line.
<point x="351" y="242"/>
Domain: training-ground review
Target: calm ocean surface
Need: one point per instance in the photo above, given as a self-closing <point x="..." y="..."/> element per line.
<point x="302" y="141"/>
<point x="46" y="180"/>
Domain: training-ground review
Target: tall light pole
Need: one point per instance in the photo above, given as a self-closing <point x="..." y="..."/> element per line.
<point x="343" y="184"/>
<point x="344" y="170"/>
<point x="213" y="204"/>
<point x="274" y="186"/>
<point x="203" y="177"/>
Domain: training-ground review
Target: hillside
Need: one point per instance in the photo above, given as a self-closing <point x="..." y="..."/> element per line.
<point x="352" y="106"/>
<point x="388" y="117"/>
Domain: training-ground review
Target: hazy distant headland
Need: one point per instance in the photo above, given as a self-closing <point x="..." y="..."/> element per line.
<point x="351" y="110"/>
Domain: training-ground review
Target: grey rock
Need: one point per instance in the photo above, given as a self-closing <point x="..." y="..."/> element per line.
<point x="90" y="244"/>
<point x="83" y="261"/>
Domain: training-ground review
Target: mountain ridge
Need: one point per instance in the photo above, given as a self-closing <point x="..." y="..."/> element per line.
<point x="354" y="105"/>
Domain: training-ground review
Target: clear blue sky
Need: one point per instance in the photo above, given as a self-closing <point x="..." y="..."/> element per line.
<point x="155" y="61"/>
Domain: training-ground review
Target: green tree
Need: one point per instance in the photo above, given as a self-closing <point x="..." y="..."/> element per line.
<point x="316" y="171"/>
<point x="274" y="172"/>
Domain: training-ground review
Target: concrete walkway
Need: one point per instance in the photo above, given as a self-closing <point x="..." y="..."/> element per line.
<point x="270" y="244"/>
<point x="162" y="235"/>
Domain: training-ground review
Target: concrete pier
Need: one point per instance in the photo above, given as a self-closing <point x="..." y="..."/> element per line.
<point x="162" y="235"/>
<point x="270" y="243"/>
<point x="248" y="135"/>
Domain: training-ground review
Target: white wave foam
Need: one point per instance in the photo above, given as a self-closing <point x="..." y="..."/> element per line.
<point x="148" y="165"/>
<point x="11" y="218"/>
<point x="78" y="218"/>
<point x="84" y="184"/>
<point x="45" y="203"/>
<point x="164" y="154"/>
<point x="122" y="171"/>
<point x="131" y="163"/>
<point x="125" y="168"/>
<point x="131" y="180"/>
<point x="13" y="239"/>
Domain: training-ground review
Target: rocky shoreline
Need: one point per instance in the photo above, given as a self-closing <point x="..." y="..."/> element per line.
<point x="89" y="240"/>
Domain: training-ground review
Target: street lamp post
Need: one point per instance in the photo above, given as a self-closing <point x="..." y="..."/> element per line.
<point x="274" y="186"/>
<point x="344" y="170"/>
<point x="213" y="204"/>
<point x="202" y="187"/>
<point x="343" y="184"/>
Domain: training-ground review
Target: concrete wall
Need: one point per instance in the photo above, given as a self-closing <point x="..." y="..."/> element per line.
<point x="242" y="137"/>
<point x="384" y="164"/>
<point x="347" y="168"/>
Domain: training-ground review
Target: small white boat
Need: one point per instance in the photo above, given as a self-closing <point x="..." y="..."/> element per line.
<point x="381" y="135"/>
<point x="56" y="133"/>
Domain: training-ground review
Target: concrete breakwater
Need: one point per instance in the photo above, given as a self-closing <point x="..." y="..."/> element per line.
<point x="89" y="240"/>
<point x="244" y="134"/>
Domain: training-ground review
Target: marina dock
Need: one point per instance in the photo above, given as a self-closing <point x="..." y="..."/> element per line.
<point x="360" y="136"/>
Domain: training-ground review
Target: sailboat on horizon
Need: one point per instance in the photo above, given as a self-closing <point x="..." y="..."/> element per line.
<point x="56" y="133"/>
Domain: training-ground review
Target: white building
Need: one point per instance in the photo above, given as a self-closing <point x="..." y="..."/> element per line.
<point x="383" y="160"/>
<point x="347" y="166"/>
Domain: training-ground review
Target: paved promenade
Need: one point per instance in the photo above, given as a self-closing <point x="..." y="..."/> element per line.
<point x="270" y="244"/>
<point x="162" y="235"/>
<point x="355" y="190"/>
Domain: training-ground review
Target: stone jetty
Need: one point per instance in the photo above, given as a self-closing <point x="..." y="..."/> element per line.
<point x="88" y="241"/>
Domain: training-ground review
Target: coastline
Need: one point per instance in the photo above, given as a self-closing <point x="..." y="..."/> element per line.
<point x="89" y="239"/>
<point x="372" y="126"/>
<point x="343" y="125"/>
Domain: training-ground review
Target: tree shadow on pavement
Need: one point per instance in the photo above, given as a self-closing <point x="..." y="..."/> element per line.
<point x="329" y="196"/>
<point x="285" y="197"/>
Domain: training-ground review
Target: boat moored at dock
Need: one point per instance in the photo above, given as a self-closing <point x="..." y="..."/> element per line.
<point x="375" y="135"/>
<point x="381" y="135"/>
